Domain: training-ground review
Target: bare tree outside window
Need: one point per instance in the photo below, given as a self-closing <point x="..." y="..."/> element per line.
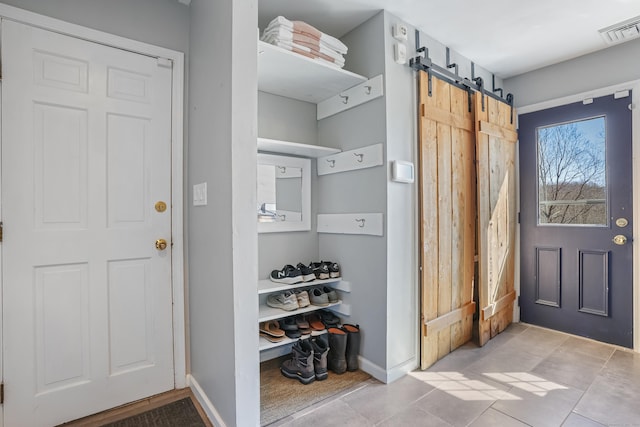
<point x="572" y="183"/>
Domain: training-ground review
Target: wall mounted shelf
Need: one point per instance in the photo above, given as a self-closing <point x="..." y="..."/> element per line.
<point x="360" y="158"/>
<point x="282" y="72"/>
<point x="294" y="148"/>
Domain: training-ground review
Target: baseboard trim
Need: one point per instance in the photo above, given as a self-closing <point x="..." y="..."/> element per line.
<point x="387" y="376"/>
<point x="207" y="406"/>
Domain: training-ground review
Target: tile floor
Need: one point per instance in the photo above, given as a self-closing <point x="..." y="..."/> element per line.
<point x="526" y="376"/>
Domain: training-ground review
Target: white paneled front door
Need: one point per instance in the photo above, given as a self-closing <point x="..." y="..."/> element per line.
<point x="86" y="155"/>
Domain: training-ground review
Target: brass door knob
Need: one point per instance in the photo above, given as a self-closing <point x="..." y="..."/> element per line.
<point x="620" y="239"/>
<point x="161" y="244"/>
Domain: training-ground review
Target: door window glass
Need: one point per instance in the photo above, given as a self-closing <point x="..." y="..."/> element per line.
<point x="572" y="178"/>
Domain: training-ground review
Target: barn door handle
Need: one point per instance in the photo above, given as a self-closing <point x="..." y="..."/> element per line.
<point x="620" y="239"/>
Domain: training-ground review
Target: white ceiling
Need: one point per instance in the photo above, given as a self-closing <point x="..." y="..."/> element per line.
<point x="507" y="37"/>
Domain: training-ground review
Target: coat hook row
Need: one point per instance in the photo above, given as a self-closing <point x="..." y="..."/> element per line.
<point x="361" y="221"/>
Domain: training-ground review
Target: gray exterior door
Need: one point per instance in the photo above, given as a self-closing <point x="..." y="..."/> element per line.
<point x="576" y="219"/>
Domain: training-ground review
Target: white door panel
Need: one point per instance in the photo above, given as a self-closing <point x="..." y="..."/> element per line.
<point x="86" y="154"/>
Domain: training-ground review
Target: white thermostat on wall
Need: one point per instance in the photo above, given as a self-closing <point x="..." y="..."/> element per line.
<point x="402" y="171"/>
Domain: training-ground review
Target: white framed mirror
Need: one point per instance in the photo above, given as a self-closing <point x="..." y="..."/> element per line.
<point x="284" y="193"/>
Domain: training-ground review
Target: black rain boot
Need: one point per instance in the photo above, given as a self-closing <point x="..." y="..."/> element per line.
<point x="300" y="366"/>
<point x="353" y="346"/>
<point x="320" y="351"/>
<point x="337" y="349"/>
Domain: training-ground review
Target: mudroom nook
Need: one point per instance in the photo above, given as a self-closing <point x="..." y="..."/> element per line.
<point x="357" y="212"/>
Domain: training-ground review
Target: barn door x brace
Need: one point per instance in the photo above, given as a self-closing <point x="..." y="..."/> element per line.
<point x="423" y="62"/>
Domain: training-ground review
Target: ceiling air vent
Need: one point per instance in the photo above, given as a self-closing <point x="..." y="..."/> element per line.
<point x="622" y="32"/>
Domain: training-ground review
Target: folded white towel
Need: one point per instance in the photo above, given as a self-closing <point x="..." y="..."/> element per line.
<point x="307" y="47"/>
<point x="305" y="51"/>
<point x="302" y="26"/>
<point x="284" y="34"/>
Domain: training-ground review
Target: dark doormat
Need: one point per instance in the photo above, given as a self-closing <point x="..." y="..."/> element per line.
<point x="281" y="396"/>
<point x="181" y="413"/>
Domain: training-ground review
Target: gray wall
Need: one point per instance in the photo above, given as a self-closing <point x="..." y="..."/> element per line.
<point x="287" y="119"/>
<point x="362" y="258"/>
<point x="160" y="22"/>
<point x="223" y="235"/>
<point x="402" y="207"/>
<point x="608" y="67"/>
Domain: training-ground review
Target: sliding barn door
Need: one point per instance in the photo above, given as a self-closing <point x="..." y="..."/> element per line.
<point x="448" y="217"/>
<point x="496" y="151"/>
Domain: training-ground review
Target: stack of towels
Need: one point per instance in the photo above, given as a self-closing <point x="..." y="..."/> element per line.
<point x="304" y="39"/>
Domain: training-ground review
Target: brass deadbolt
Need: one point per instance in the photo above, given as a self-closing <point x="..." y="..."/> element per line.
<point x="622" y="222"/>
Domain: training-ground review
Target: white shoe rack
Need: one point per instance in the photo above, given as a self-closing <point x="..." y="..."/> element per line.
<point x="266" y="313"/>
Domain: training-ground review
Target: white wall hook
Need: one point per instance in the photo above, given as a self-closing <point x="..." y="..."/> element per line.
<point x="283" y="169"/>
<point x="352" y="97"/>
<point x="359" y="158"/>
<point x="355" y="223"/>
<point x="283" y="217"/>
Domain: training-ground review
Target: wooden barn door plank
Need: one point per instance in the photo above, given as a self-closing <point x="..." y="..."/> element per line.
<point x="447" y="200"/>
<point x="495" y="142"/>
<point x="428" y="189"/>
<point x="443" y="102"/>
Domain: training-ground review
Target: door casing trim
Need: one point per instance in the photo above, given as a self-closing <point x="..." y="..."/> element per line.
<point x="634" y="86"/>
<point x="177" y="156"/>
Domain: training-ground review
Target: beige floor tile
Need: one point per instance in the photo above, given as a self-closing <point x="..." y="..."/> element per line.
<point x="414" y="417"/>
<point x="575" y="420"/>
<point x="493" y="418"/>
<point x="378" y="402"/>
<point x="612" y="399"/>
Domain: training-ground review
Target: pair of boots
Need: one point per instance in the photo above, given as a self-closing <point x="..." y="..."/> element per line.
<point x="344" y="346"/>
<point x="308" y="360"/>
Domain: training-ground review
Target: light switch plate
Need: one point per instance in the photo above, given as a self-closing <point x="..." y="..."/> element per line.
<point x="400" y="53"/>
<point x="200" y="194"/>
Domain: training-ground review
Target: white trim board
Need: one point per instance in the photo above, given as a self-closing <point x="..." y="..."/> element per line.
<point x="177" y="145"/>
<point x="609" y="90"/>
<point x="209" y="409"/>
<point x="595" y="93"/>
<point x="387" y="376"/>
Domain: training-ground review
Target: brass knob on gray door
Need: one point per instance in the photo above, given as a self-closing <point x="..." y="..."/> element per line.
<point x="161" y="244"/>
<point x="620" y="239"/>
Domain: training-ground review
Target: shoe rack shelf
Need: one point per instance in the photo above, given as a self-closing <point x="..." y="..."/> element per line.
<point x="265" y="344"/>
<point x="267" y="286"/>
<point x="266" y="313"/>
